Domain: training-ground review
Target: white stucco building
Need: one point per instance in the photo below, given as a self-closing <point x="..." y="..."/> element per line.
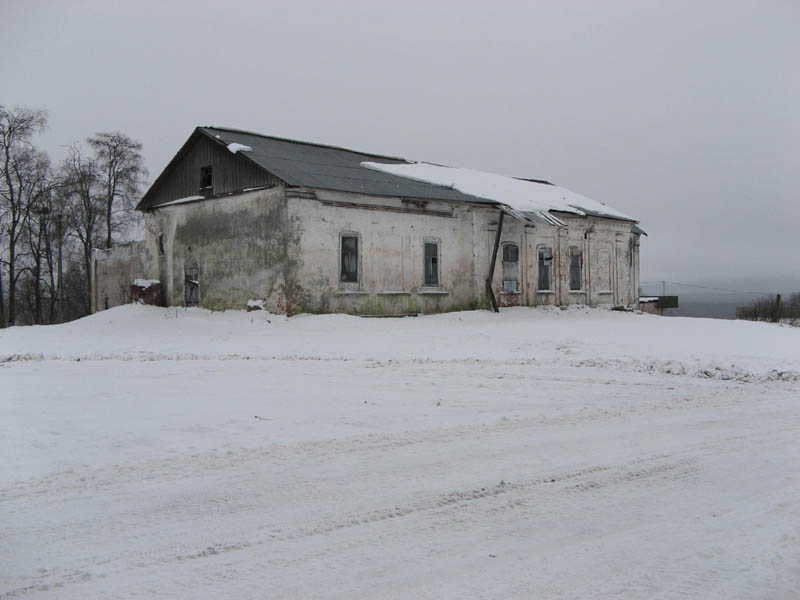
<point x="237" y="216"/>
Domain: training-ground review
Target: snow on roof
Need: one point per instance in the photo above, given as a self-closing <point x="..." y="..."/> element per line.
<point x="519" y="194"/>
<point x="236" y="147"/>
<point x="180" y="201"/>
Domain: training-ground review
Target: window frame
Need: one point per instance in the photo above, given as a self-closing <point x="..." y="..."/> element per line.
<point x="350" y="285"/>
<point x="507" y="245"/>
<point x="516" y="261"/>
<point x="206" y="171"/>
<point x="540" y="249"/>
<point x="438" y="243"/>
<point x="575" y="251"/>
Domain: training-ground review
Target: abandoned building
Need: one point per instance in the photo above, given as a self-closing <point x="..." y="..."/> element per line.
<point x="237" y="218"/>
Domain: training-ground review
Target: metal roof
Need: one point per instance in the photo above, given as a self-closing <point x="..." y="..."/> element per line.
<point x="305" y="164"/>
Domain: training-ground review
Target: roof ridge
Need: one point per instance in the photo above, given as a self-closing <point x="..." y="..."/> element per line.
<point x="305" y="143"/>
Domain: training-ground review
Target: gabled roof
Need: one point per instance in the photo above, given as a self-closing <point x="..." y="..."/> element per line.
<point x="306" y="164"/>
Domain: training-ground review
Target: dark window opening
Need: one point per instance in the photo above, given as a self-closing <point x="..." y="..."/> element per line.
<point x="206" y="177"/>
<point x="161" y="244"/>
<point x="191" y="286"/>
<point x="510" y="260"/>
<point x="431" y="264"/>
<point x="510" y="253"/>
<point x="349" y="272"/>
<point x="575" y="260"/>
<point x="545" y="263"/>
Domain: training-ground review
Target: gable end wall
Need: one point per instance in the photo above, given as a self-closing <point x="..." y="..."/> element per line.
<point x="231" y="173"/>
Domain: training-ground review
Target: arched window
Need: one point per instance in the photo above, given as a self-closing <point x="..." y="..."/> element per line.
<point x="510" y="268"/>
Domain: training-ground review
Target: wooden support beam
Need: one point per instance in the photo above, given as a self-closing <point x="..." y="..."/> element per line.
<point x="489" y="290"/>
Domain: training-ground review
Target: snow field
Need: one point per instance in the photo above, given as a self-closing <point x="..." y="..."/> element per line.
<point x="526" y="454"/>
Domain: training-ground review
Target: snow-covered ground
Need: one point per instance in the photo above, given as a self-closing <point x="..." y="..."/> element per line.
<point x="533" y="454"/>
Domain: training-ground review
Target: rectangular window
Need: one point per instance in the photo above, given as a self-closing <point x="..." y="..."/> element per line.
<point x="575" y="259"/>
<point x="432" y="264"/>
<point x="206" y="177"/>
<point x="545" y="262"/>
<point x="349" y="271"/>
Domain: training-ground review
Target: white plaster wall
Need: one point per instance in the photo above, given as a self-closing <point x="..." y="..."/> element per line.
<point x="391" y="254"/>
<point x="610" y="264"/>
<point x="239" y="243"/>
<point x="284" y="247"/>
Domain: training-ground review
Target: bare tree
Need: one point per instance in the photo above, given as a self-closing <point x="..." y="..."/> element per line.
<point x="43" y="230"/>
<point x="121" y="170"/>
<point x="83" y="203"/>
<point x="24" y="176"/>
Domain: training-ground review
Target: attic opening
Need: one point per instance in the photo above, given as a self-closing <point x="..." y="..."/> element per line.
<point x="206" y="177"/>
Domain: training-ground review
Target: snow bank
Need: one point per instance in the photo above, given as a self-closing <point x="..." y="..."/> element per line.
<point x="519" y="194"/>
<point x="514" y="334"/>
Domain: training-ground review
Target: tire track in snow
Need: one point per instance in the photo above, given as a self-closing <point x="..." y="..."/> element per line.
<point x="186" y="465"/>
<point x="505" y="496"/>
<point x="553" y="493"/>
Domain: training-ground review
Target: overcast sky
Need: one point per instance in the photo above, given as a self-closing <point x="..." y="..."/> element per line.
<point x="685" y="115"/>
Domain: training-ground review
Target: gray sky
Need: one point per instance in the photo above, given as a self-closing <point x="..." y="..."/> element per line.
<point x="685" y="115"/>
